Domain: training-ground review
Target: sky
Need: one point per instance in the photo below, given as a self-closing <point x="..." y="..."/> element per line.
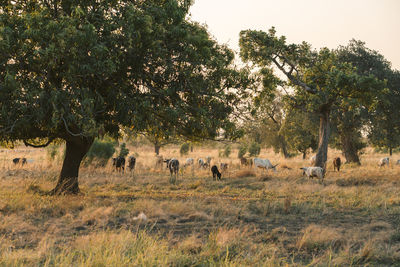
<point x="322" y="23"/>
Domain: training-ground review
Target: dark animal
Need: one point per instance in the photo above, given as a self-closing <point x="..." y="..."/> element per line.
<point x="119" y="163"/>
<point x="215" y="173"/>
<point x="173" y="166"/>
<point x="19" y="160"/>
<point x="336" y="164"/>
<point x="131" y="163"/>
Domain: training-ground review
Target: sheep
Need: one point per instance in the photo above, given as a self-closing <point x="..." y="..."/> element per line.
<point x="215" y="173"/>
<point x="265" y="164"/>
<point x="336" y="164"/>
<point x="383" y="162"/>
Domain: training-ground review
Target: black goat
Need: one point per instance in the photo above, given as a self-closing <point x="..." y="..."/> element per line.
<point x="215" y="173"/>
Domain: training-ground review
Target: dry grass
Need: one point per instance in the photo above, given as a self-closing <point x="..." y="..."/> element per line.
<point x="250" y="218"/>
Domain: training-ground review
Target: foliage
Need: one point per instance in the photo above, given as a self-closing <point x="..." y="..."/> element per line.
<point x="75" y="70"/>
<point x="301" y="128"/>
<point x="318" y="78"/>
<point x="242" y="150"/>
<point x="254" y="149"/>
<point x="123" y="150"/>
<point x="101" y="151"/>
<point x="184" y="149"/>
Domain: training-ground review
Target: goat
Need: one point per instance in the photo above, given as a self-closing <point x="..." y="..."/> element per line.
<point x="19" y="160"/>
<point x="173" y="166"/>
<point x="119" y="163"/>
<point x="314" y="172"/>
<point x="215" y="173"/>
<point x="336" y="164"/>
<point x="383" y="162"/>
<point x="131" y="163"/>
<point x="264" y="164"/>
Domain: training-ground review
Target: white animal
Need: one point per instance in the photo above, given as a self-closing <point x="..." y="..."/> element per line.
<point x="397" y="162"/>
<point x="383" y="162"/>
<point x="313" y="172"/>
<point x="189" y="162"/>
<point x="313" y="159"/>
<point x="265" y="164"/>
<point x="202" y="163"/>
<point x="208" y="160"/>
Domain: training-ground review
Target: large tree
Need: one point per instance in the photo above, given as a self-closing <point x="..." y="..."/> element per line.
<point x="318" y="78"/>
<point x="74" y="70"/>
<point x="350" y="116"/>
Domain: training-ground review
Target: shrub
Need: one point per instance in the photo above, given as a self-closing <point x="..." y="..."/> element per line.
<point x="123" y="151"/>
<point x="242" y="150"/>
<point x="254" y="149"/>
<point x="100" y="150"/>
<point x="184" y="150"/>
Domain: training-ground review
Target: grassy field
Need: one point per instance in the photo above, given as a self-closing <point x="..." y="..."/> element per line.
<point x="250" y="218"/>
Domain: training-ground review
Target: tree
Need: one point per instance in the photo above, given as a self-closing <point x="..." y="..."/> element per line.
<point x="75" y="70"/>
<point x="384" y="126"/>
<point x="318" y="78"/>
<point x="350" y="115"/>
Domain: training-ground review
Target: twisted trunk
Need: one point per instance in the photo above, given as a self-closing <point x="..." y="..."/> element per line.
<point x="76" y="149"/>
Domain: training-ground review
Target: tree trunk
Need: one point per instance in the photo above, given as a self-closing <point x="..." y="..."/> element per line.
<point x="304" y="154"/>
<point x="324" y="132"/>
<point x="348" y="148"/>
<point x="76" y="149"/>
<point x="283" y="146"/>
<point x="390" y="150"/>
<point x="157" y="149"/>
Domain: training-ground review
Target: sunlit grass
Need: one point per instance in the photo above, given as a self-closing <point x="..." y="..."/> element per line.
<point x="249" y="218"/>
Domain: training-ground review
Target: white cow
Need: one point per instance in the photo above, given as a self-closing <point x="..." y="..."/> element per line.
<point x="383" y="162"/>
<point x="265" y="164"/>
<point x="311" y="172"/>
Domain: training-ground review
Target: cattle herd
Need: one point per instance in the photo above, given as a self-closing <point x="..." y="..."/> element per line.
<point x="172" y="165"/>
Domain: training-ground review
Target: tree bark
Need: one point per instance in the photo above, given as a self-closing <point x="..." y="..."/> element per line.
<point x="76" y="149"/>
<point x="324" y="132"/>
<point x="304" y="154"/>
<point x="157" y="149"/>
<point x="390" y="150"/>
<point x="283" y="146"/>
<point x="348" y="148"/>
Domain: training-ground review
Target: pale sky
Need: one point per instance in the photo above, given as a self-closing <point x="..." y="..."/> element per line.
<point x="322" y="23"/>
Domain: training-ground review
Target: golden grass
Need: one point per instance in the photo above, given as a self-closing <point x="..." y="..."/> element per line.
<point x="250" y="218"/>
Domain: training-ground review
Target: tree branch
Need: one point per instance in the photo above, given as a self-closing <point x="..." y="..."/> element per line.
<point x="38" y="146"/>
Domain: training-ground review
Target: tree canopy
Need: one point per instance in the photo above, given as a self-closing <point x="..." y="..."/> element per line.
<point x="74" y="70"/>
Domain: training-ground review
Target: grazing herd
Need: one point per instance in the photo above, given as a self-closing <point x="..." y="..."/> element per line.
<point x="205" y="163"/>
